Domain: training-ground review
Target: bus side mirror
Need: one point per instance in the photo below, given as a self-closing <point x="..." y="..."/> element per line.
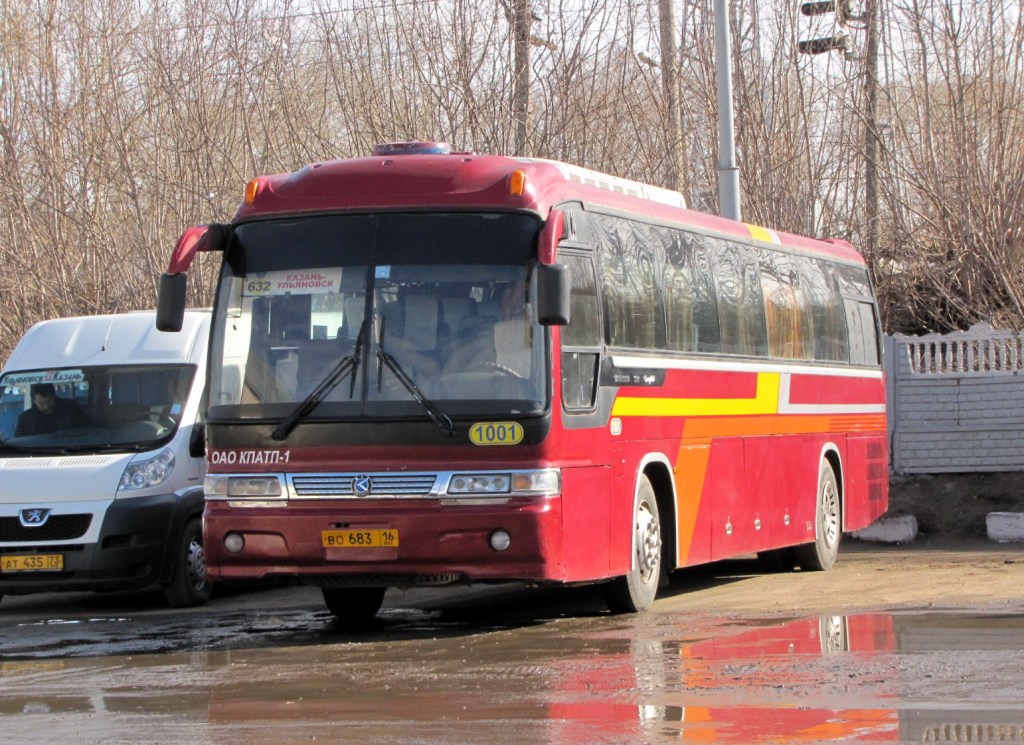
<point x="170" y="302"/>
<point x="553" y="284"/>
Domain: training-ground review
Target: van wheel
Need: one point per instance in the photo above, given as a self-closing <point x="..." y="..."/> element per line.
<point x="189" y="586"/>
<point x="634" y="592"/>
<point x="354" y="607"/>
<point x="820" y="555"/>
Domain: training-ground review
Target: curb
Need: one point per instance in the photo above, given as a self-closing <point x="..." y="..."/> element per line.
<point x="899" y="529"/>
<point x="1005" y="527"/>
<point x="1001" y="527"/>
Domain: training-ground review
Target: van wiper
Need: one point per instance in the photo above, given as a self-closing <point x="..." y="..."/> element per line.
<point x="345" y="367"/>
<point x="16" y="448"/>
<point x="6" y="443"/>
<point x="123" y="447"/>
<point x="443" y="421"/>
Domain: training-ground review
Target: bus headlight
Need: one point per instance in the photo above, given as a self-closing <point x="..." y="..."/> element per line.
<point x="243" y="487"/>
<point x="480" y="483"/>
<point x="546" y="481"/>
<point x="143" y="474"/>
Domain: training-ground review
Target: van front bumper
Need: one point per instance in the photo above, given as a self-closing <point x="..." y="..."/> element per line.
<point x="131" y="551"/>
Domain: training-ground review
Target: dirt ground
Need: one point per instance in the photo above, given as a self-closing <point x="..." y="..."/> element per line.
<point x="950" y="565"/>
<point x="955" y="505"/>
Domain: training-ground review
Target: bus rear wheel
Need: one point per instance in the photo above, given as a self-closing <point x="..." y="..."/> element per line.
<point x="820" y="555"/>
<point x="354" y="607"/>
<point x="634" y="592"/>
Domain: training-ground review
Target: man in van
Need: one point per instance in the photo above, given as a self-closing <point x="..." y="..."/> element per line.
<point x="49" y="413"/>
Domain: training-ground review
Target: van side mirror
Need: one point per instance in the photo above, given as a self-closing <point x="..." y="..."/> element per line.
<point x="170" y="302"/>
<point x="553" y="285"/>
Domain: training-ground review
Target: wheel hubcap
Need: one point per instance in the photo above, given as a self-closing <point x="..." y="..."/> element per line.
<point x="196" y="564"/>
<point x="648" y="542"/>
<point x="829" y="513"/>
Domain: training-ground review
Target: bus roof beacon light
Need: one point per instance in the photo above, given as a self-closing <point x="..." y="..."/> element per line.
<point x="517" y="183"/>
<point x="251" y="190"/>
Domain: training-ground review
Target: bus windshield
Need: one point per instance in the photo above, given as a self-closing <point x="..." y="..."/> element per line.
<point x="379" y="316"/>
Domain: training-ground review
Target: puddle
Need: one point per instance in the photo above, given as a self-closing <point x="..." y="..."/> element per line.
<point x="426" y="677"/>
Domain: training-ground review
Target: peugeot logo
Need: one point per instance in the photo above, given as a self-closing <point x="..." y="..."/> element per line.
<point x="34" y="517"/>
<point x="362" y="485"/>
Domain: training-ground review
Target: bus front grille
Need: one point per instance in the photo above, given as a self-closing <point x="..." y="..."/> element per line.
<point x="363" y="485"/>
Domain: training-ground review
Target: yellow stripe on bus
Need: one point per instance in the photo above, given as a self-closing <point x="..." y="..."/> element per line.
<point x="763" y="234"/>
<point x="766" y="401"/>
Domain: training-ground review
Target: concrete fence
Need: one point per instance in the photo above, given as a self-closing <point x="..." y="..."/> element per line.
<point x="956" y="401"/>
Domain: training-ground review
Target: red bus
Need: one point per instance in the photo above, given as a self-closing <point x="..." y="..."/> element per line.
<point x="431" y="367"/>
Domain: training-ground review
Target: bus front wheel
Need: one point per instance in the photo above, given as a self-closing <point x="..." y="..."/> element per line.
<point x="821" y="554"/>
<point x="634" y="592"/>
<point x="354" y="607"/>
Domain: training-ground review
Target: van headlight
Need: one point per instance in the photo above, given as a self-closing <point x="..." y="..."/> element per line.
<point x="144" y="474"/>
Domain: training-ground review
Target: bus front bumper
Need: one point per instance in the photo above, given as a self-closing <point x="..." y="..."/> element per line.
<point x="337" y="542"/>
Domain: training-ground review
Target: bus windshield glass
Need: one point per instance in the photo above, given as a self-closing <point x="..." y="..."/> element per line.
<point x="379" y="316"/>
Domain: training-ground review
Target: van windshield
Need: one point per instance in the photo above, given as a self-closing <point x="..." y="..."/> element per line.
<point x="122" y="407"/>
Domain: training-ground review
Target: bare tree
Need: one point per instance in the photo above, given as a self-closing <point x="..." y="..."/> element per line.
<point x="118" y="127"/>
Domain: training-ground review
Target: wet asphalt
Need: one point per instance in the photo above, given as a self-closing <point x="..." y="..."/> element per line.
<point x="498" y="665"/>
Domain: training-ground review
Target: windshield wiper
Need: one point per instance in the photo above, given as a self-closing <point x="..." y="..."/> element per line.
<point x="346" y="366"/>
<point x="443" y="421"/>
<point x="6" y="443"/>
<point x="127" y="447"/>
<point x="16" y="448"/>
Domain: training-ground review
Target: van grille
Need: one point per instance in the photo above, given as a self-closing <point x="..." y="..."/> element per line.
<point x="342" y="485"/>
<point x="57" y="528"/>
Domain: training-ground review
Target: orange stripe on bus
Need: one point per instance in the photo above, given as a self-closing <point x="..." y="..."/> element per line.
<point x="789" y="424"/>
<point x="691" y="468"/>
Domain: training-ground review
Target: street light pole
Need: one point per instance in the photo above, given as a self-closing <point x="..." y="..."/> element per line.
<point x="728" y="172"/>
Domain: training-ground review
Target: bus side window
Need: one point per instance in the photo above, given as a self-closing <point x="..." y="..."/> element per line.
<point x="860" y="318"/>
<point x="581" y="338"/>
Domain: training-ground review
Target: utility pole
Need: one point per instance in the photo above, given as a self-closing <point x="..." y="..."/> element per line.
<point x="871" y="125"/>
<point x="669" y="78"/>
<point x="522" y="18"/>
<point x="868" y="22"/>
<point x="728" y="172"/>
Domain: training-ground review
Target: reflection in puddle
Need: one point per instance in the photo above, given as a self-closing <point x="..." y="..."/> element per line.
<point x="779" y="676"/>
<point x="822" y="679"/>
